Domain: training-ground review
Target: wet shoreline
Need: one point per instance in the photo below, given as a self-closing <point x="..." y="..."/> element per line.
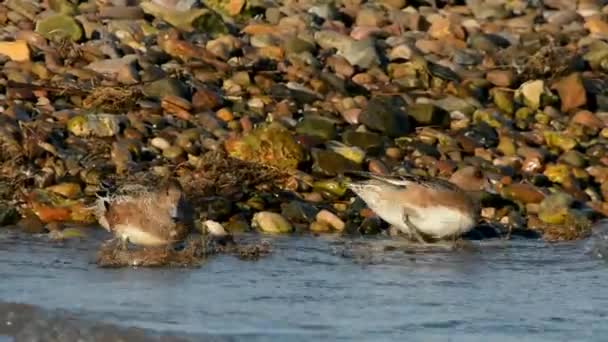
<point x="327" y="288"/>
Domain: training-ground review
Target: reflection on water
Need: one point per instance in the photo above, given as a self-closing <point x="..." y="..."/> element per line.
<point x="315" y="288"/>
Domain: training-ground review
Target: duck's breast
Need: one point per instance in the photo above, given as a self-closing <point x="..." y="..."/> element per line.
<point x="441" y="221"/>
<point x="139" y="236"/>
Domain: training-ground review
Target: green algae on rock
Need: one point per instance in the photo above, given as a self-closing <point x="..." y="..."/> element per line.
<point x="59" y="25"/>
<point x="559" y="140"/>
<point x="271" y="145"/>
<point x="100" y="125"/>
<point x="330" y="186"/>
<point x="555" y="208"/>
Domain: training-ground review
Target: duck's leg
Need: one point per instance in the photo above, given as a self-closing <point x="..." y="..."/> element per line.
<point x="413" y="230"/>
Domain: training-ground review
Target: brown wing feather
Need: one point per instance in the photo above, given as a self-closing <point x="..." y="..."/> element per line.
<point x="153" y="221"/>
<point x="407" y="179"/>
<point x="426" y="191"/>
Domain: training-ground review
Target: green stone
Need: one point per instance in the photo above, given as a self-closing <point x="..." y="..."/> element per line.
<point x="555" y="208"/>
<point x="353" y="153"/>
<point x="164" y="87"/>
<point x="426" y="114"/>
<point x="59" y="25"/>
<point x="316" y="126"/>
<point x="503" y="99"/>
<point x="368" y="141"/>
<point x="297" y="45"/>
<point x="559" y="140"/>
<point x="330" y="163"/>
<point x="386" y="114"/>
<point x="62" y="6"/>
<point x="574" y="158"/>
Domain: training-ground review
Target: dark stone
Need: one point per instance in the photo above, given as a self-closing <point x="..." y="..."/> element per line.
<point x="602" y="102"/>
<point x="368" y="141"/>
<point x="166" y="86"/>
<point x="445" y="73"/>
<point x="8" y="215"/>
<point x="574" y="158"/>
<point x="318" y="126"/>
<point x="427" y="114"/>
<point x="386" y="114"/>
<point x="280" y="92"/>
<point x="467" y="57"/>
<point x="371" y="226"/>
<point x="488" y="42"/>
<point x="334" y="81"/>
<point x="329" y="163"/>
<point x="484" y="134"/>
<point x="217" y="208"/>
<point x="299" y="212"/>
<point x="425" y="149"/>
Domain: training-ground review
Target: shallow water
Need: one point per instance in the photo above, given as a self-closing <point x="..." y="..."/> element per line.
<point x="309" y="289"/>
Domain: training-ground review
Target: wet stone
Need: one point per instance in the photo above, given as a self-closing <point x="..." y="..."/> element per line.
<point x="164" y="87"/>
<point x="503" y="99"/>
<point x="522" y="192"/>
<point x="573" y="158"/>
<point x="318" y="126"/>
<point x="100" y="125"/>
<point x="352" y="153"/>
<point x="361" y="53"/>
<point x="555" y="208"/>
<point x="368" y="141"/>
<point x="428" y="114"/>
<point x="271" y="144"/>
<point x="331" y="187"/>
<point x="59" y="25"/>
<point x="386" y="115"/>
<point x="299" y="212"/>
<point x="269" y="222"/>
<point x="571" y="92"/>
<point x="217" y="208"/>
<point x="330" y="163"/>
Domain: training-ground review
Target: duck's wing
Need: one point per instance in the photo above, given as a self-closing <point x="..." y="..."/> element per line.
<point x="410" y="179"/>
